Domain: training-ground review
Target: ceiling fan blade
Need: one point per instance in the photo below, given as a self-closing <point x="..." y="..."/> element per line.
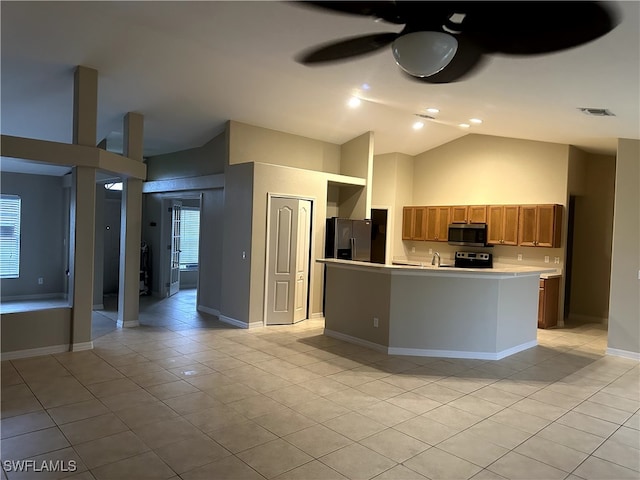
<point x="346" y="48"/>
<point x="530" y="28"/>
<point x="467" y="60"/>
<point x="385" y="10"/>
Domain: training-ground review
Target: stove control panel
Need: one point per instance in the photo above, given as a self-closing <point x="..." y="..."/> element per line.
<point x="473" y="260"/>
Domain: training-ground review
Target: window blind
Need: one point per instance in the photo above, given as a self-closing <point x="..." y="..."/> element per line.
<point x="189" y="237"/>
<point x="10" y="236"/>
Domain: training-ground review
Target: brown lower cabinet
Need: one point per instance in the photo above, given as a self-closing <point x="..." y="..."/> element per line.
<point x="548" y="302"/>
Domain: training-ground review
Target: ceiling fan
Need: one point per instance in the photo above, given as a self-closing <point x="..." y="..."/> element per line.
<point x="445" y="41"/>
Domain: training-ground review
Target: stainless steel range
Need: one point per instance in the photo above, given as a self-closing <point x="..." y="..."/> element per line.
<point x="473" y="260"/>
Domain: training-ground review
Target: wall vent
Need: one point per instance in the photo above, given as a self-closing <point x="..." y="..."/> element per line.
<point x="597" y="112"/>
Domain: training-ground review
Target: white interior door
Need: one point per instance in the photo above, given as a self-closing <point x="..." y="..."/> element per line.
<point x="302" y="261"/>
<point x="174" y="267"/>
<point x="288" y="260"/>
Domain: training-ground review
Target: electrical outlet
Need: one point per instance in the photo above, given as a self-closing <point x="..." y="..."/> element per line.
<point x="546" y="259"/>
<point x="556" y="260"/>
<point x="431" y="251"/>
<point x="40" y="280"/>
<point x="375" y="322"/>
<point x="413" y="249"/>
<point x="519" y="257"/>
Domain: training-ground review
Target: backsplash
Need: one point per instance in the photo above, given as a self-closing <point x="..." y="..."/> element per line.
<point x="533" y="256"/>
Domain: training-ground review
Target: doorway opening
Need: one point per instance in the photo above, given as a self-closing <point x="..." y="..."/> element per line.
<point x="180" y="263"/>
<point x="379" y="235"/>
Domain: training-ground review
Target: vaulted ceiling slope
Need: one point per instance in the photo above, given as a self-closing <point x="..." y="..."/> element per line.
<point x="190" y="66"/>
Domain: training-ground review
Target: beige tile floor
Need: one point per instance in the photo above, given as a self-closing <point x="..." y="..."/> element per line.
<point x="185" y="396"/>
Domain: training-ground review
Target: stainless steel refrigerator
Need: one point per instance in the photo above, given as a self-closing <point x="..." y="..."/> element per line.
<point x="348" y="239"/>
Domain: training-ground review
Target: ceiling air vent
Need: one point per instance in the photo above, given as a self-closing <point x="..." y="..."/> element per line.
<point x="597" y="112"/>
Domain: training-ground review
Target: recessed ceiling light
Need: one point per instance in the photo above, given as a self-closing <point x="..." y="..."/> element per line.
<point x="464" y="125"/>
<point x="418" y="125"/>
<point x="475" y="120"/>
<point x="366" y="86"/>
<point x="354" y="102"/>
<point x="433" y="110"/>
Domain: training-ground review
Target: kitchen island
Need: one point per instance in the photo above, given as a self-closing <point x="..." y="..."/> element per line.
<point x="433" y="311"/>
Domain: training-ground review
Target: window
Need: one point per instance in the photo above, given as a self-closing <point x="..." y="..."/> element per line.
<point x="9" y="236"/>
<point x="189" y="238"/>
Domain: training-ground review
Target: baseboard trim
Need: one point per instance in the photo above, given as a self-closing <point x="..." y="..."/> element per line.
<point x="358" y="341"/>
<point x="127" y="323"/>
<point x="574" y="317"/>
<point x="98" y="306"/>
<point x="34" y="352"/>
<point x="616" y="352"/>
<point x="317" y="315"/>
<point x="233" y="321"/>
<point x="210" y="311"/>
<point x="79" y="347"/>
<point x="419" y="352"/>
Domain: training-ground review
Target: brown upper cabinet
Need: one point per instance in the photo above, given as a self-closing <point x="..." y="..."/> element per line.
<point x="438" y="219"/>
<point x="414" y="223"/>
<point x="459" y="214"/>
<point x="477" y="214"/>
<point x="525" y="225"/>
<point x="502" y="224"/>
<point x="540" y="226"/>
<point x="469" y="214"/>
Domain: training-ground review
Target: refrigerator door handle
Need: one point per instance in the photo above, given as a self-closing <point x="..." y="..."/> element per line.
<point x="354" y="253"/>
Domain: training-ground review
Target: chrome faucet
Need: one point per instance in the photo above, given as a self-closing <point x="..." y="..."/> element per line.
<point x="436" y="259"/>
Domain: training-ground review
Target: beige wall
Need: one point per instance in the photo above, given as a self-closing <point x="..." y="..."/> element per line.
<point x="277" y="180"/>
<point x="38" y="329"/>
<point x="624" y="307"/>
<point x="211" y="250"/>
<point x="393" y="187"/>
<point x="482" y="169"/>
<point x="248" y="143"/>
<point x="236" y="242"/>
<point x="356" y="160"/>
<point x="208" y="159"/>
<point x="591" y="184"/>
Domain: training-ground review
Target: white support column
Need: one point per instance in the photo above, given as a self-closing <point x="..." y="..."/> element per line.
<point x="130" y="231"/>
<point x="82" y="209"/>
<point x="131" y="228"/>
<point x="81" y="251"/>
<point x="85" y="106"/>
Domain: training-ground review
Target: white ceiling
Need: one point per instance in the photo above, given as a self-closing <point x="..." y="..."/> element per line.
<point x="190" y="66"/>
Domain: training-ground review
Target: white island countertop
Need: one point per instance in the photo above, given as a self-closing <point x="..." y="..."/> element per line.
<point x="427" y="269"/>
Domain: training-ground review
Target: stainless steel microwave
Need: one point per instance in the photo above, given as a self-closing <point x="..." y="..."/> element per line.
<point x="469" y="234"/>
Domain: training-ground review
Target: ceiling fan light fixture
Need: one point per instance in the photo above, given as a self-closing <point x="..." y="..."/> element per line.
<point x="423" y="54"/>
